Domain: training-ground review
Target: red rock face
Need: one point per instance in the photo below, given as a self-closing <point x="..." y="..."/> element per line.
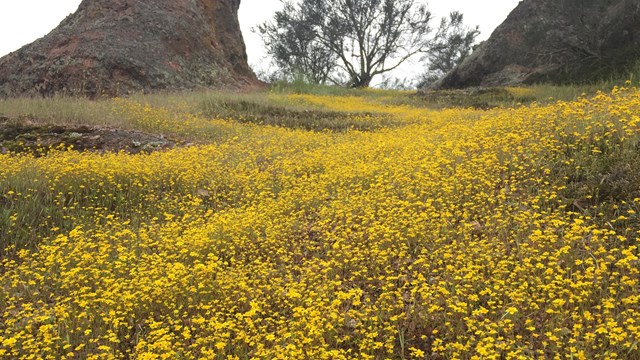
<point x="115" y="47"/>
<point x="564" y="41"/>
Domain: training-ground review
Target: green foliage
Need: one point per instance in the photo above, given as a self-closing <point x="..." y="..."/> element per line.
<point x="473" y="98"/>
<point x="291" y="41"/>
<point x="453" y="43"/>
<point x="317" y="120"/>
<point x="303" y="87"/>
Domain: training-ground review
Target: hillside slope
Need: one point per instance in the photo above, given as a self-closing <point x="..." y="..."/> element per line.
<point x="509" y="233"/>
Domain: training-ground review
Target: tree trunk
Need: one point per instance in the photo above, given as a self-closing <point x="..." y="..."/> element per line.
<point x="362" y="81"/>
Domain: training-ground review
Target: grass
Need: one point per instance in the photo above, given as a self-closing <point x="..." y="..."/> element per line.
<point x="273" y="108"/>
<point x="313" y="222"/>
<point x="276" y="107"/>
<point x="61" y="110"/>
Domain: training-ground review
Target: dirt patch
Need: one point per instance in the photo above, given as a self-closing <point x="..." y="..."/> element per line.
<point x="21" y="135"/>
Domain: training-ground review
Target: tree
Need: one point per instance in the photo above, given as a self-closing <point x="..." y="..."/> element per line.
<point x="363" y="38"/>
<point x="453" y="43"/>
<point x="291" y="40"/>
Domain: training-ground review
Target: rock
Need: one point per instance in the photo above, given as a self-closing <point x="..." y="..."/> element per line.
<point x="203" y="193"/>
<point x="116" y="47"/>
<point x="75" y="135"/>
<point x="559" y="41"/>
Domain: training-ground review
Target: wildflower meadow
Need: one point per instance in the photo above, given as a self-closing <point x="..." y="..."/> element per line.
<point x="407" y="232"/>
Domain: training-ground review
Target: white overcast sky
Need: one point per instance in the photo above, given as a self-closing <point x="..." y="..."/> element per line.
<point x="23" y="21"/>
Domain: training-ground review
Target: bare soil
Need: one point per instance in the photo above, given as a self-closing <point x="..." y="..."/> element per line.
<point x="29" y="135"/>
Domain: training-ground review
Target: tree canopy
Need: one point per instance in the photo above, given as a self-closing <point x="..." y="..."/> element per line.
<point x="452" y="43"/>
<point x="359" y="39"/>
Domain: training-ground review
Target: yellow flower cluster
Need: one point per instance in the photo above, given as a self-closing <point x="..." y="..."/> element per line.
<point x="443" y="236"/>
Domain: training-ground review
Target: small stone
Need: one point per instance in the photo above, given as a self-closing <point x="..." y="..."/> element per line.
<point x="203" y="193"/>
<point x="75" y="135"/>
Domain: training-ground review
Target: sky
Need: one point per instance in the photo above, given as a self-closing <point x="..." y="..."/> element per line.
<point x="23" y="21"/>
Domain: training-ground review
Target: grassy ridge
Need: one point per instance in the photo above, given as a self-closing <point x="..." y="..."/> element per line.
<point x="394" y="231"/>
<point x="78" y="111"/>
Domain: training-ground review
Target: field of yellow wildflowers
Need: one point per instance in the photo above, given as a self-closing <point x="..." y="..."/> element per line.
<point x="409" y="233"/>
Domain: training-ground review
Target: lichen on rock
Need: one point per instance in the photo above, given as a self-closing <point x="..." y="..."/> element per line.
<point x="115" y="47"/>
<point x="559" y="41"/>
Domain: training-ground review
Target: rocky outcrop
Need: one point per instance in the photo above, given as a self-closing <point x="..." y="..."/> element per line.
<point x="556" y="41"/>
<point x="115" y="47"/>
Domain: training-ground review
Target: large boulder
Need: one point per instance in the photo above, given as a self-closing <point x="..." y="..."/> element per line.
<point x="115" y="47"/>
<point x="555" y="41"/>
